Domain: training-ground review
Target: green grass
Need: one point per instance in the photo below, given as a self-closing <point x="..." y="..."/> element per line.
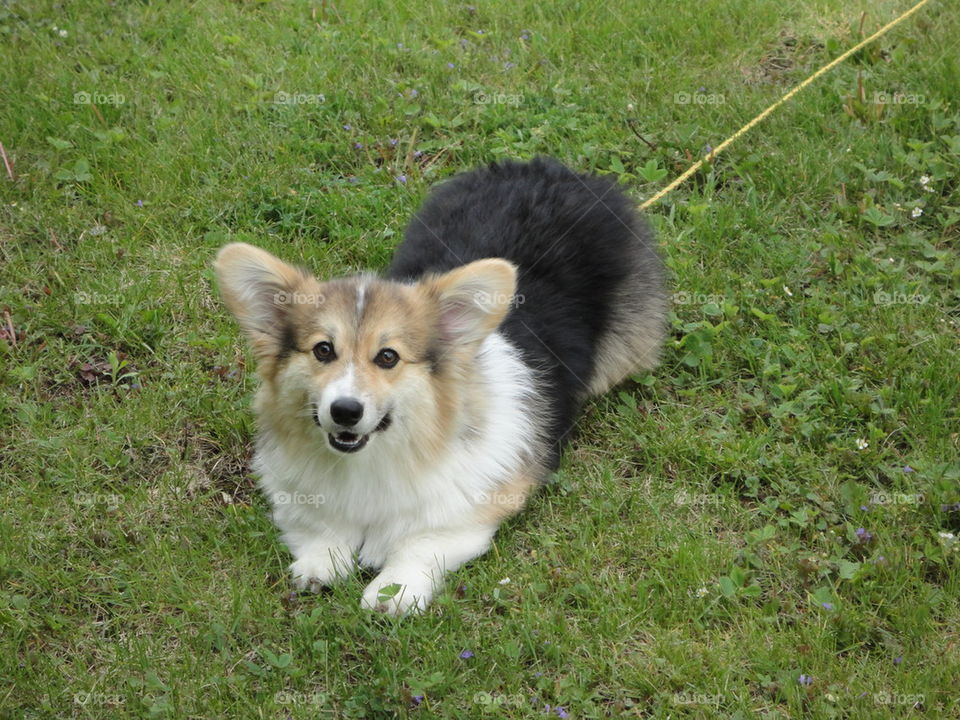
<point x="680" y="564"/>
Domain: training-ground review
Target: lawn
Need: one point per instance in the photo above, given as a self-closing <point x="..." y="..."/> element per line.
<point x="763" y="527"/>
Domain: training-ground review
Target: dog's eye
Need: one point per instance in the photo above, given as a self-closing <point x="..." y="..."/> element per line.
<point x="387" y="358"/>
<point x="323" y="351"/>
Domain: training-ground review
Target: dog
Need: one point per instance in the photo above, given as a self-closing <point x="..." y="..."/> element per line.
<point x="402" y="417"/>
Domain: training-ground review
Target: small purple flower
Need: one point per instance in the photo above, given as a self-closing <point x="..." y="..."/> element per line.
<point x="139" y="203"/>
<point x="393" y="142"/>
<point x="417" y="153"/>
<point x="358" y="146"/>
<point x="402" y="179"/>
<point x="509" y="65"/>
<point x="707" y="149"/>
<point x="466" y="654"/>
<point x="479" y="32"/>
<point x="353" y="179"/>
<point x="827" y="606"/>
<point x="805" y="680"/>
<point x="861" y="533"/>
<point x="907" y="469"/>
<point x="414" y="93"/>
<point x="701" y="89"/>
<point x="898" y="659"/>
<point x="524" y="34"/>
<point x="348" y="127"/>
<point x="417" y="699"/>
<point x="562" y="712"/>
<point x="451" y="66"/>
<point x="865" y="509"/>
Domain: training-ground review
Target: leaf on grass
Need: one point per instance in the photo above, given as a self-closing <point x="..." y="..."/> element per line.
<point x="727" y="587"/>
<point x="848" y="570"/>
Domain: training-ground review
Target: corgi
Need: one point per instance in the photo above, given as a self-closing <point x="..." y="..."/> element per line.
<point x="402" y="417"/>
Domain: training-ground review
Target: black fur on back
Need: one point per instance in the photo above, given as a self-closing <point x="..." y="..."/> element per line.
<point x="575" y="239"/>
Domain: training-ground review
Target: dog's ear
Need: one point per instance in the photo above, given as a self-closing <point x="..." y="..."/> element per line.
<point x="259" y="288"/>
<point x="473" y="299"/>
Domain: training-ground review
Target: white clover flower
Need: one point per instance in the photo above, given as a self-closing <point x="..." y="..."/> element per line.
<point x="924" y="179"/>
<point x="787" y="291"/>
<point x="62" y="33"/>
<point x="916" y="212"/>
<point x="702" y="592"/>
<point x="862" y="444"/>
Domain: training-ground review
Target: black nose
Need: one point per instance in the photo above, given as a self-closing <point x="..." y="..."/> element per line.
<point x="346" y="411"/>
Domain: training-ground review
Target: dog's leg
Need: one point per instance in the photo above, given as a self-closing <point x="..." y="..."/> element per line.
<point x="414" y="570"/>
<point x="320" y="558"/>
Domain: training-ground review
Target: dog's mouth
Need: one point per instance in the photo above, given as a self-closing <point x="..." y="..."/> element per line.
<point x="347" y="442"/>
<point x="351" y="442"/>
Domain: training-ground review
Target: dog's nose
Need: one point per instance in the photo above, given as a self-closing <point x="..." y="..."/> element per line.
<point x="346" y="411"/>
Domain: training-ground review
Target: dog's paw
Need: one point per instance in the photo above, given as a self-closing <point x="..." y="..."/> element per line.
<point x="314" y="572"/>
<point x="392" y="597"/>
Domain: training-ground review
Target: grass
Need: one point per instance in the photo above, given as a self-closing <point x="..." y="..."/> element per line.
<point x="759" y="528"/>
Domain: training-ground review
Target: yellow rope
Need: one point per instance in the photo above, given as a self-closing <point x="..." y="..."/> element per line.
<point x="825" y="69"/>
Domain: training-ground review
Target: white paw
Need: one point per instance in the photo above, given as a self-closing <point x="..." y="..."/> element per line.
<point x="394" y="597"/>
<point x="313" y="572"/>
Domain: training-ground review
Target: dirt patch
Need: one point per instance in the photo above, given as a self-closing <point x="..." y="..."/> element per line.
<point x="791" y="51"/>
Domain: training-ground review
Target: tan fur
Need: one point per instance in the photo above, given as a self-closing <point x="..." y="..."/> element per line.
<point x="509" y="499"/>
<point x="636" y="334"/>
<point x="254" y="285"/>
